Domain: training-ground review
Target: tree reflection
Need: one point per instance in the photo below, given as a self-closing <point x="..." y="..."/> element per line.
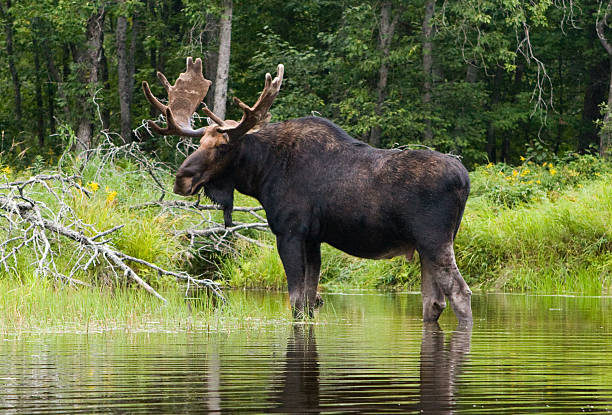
<point x="440" y="367"/>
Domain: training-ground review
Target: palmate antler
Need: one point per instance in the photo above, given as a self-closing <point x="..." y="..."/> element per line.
<point x="183" y="99"/>
<point x="254" y="117"/>
<point x="189" y="90"/>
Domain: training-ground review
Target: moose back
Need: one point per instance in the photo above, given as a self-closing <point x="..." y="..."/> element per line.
<point x="318" y="184"/>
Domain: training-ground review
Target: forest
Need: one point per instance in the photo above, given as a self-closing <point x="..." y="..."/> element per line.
<point x="490" y="80"/>
<point x="520" y="91"/>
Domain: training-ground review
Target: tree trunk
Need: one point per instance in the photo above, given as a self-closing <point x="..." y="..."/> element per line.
<point x="8" y="29"/>
<point x="105" y="111"/>
<point x="40" y="122"/>
<point x="125" y="73"/>
<point x="491" y="133"/>
<point x="88" y="59"/>
<point x="385" y="35"/>
<point x="427" y="32"/>
<point x="605" y="133"/>
<point x="225" y="40"/>
<point x="211" y="57"/>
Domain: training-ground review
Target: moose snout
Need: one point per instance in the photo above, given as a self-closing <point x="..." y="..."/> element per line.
<point x="182" y="186"/>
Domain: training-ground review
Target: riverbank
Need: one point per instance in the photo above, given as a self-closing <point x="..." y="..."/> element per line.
<point x="539" y="228"/>
<point x="36" y="306"/>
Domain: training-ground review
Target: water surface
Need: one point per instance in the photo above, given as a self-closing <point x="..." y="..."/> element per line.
<point x="366" y="353"/>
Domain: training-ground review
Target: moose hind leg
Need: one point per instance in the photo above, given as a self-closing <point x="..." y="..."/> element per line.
<point x="311" y="278"/>
<point x="448" y="279"/>
<point x="431" y="293"/>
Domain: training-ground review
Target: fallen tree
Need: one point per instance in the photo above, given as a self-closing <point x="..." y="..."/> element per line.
<point x="37" y="214"/>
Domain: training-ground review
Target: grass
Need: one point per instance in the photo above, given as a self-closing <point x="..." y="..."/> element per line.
<point x="543" y="228"/>
<point x="559" y="244"/>
<point x="39" y="306"/>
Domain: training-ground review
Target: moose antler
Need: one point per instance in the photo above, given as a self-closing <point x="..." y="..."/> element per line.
<point x="183" y="99"/>
<point x="257" y="115"/>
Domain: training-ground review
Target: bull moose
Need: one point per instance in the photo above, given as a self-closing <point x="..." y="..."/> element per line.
<point x="317" y="184"/>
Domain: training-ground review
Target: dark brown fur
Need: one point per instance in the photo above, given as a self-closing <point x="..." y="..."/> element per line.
<point x="318" y="184"/>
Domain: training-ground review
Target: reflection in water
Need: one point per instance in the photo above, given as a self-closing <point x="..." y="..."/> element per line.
<point x="301" y="375"/>
<point x="440" y="367"/>
<point x="526" y="354"/>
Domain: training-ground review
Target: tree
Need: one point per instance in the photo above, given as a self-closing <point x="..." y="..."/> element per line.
<point x="428" y="65"/>
<point x="88" y="57"/>
<point x="125" y="67"/>
<point x="385" y="36"/>
<point x="605" y="133"/>
<point x="225" y="40"/>
<point x="5" y="15"/>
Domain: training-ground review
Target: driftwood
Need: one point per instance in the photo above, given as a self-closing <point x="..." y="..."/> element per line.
<point x="32" y="223"/>
<point x="35" y="215"/>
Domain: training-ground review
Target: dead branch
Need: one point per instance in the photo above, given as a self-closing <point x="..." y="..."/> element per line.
<point x="207" y="234"/>
<point x="30" y="213"/>
<point x="32" y="222"/>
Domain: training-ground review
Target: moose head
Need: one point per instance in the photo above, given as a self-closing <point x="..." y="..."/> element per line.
<point x="215" y="150"/>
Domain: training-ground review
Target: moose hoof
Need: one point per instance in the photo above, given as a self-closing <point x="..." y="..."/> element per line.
<point x="318" y="301"/>
<point x="301" y="314"/>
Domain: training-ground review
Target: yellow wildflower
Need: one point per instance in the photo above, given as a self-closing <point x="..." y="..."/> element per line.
<point x="523" y="158"/>
<point x="579" y="186"/>
<point x="501" y="173"/>
<point x="525" y="172"/>
<point x="538" y="182"/>
<point x="7" y="170"/>
<point x="544" y="164"/>
<point x="514" y="173"/>
<point x="489" y="165"/>
<point x="93" y="186"/>
<point x="530" y="182"/>
<point x="111" y="197"/>
<point x="553" y="172"/>
<point x="597" y="174"/>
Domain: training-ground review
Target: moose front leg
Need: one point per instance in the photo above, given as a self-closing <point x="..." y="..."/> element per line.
<point x="313" y="270"/>
<point x="227" y="216"/>
<point x="291" y="250"/>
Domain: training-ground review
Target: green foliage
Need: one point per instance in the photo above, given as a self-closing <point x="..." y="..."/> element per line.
<point x="510" y="186"/>
<point x="561" y="243"/>
<point x="493" y="88"/>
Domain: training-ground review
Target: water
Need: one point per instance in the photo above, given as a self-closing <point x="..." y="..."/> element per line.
<point x="369" y="353"/>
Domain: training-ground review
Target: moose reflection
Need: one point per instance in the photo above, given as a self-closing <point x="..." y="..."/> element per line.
<point x="440" y="366"/>
<point x="301" y="373"/>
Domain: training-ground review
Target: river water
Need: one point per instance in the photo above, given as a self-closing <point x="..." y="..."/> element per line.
<point x="365" y="353"/>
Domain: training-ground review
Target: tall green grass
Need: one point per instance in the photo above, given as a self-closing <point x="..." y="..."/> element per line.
<point x="39" y="306"/>
<point x="559" y="244"/>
